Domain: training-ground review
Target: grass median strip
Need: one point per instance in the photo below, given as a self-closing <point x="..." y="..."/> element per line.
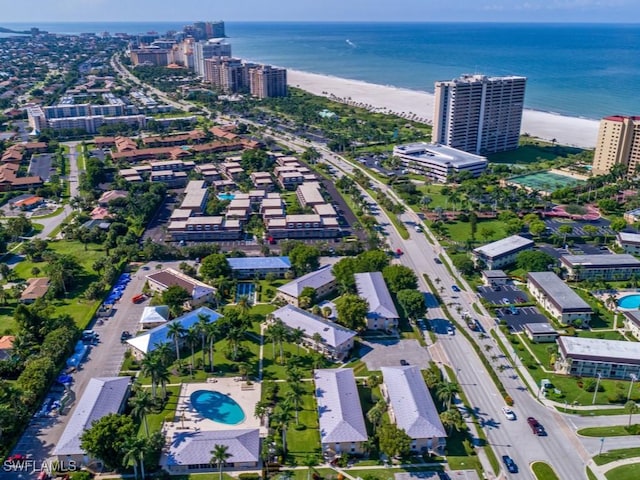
<point x="543" y="471"/>
<point x="615" y="455"/>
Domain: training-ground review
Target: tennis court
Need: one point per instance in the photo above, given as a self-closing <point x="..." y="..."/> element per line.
<point x="248" y="289"/>
<point x="545" y="181"/>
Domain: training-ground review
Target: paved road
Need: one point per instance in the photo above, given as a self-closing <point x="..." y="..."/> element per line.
<point x="104" y="360"/>
<point x="50" y="224"/>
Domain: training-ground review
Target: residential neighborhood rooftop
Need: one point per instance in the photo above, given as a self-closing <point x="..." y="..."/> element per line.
<point x="315" y="280"/>
<point x="599" y="349"/>
<point x="339" y="408"/>
<point x="372" y="287"/>
<point x="504" y="246"/>
<point x="558" y="292"/>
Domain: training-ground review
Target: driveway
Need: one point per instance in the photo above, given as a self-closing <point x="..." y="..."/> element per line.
<point x="40" y="165"/>
<point x="388" y="353"/>
<point x="104" y="360"/>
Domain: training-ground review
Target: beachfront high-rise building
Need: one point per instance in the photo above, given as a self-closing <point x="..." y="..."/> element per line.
<point x="214" y="47"/>
<point x="266" y="81"/>
<point x="479" y="114"/>
<point x="205" y="30"/>
<point x="226" y="73"/>
<point x="618" y="144"/>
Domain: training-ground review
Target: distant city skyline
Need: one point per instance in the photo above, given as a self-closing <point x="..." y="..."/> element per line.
<point x="584" y="11"/>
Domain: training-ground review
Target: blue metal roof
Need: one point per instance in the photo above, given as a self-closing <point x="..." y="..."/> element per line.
<point x="258" y="263"/>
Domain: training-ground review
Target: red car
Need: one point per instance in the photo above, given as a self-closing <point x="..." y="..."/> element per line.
<point x="399" y="252"/>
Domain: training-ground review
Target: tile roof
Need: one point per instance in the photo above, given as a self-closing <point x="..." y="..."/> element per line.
<point x="332" y="334"/>
<point x="101" y="397"/>
<point x="339" y="408"/>
<point x="411" y="401"/>
<point x="194" y="448"/>
<point x="372" y="287"/>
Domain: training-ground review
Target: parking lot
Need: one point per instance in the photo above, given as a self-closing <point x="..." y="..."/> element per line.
<point x="578" y="227"/>
<point x="503" y="295"/>
<point x="40" y="165"/>
<point x="520" y="316"/>
<point x="389" y="353"/>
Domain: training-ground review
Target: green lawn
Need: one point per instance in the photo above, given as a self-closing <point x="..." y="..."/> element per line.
<point x="608" y="335"/>
<point x="603" y="317"/>
<point x="543" y="471"/>
<point x="615" y="455"/>
<point x="610" y="431"/>
<point x="461" y="231"/>
<point x="624" y="472"/>
<point x="155" y="418"/>
<point x="80" y="309"/>
<point x="268" y="289"/>
<point x="533" y="150"/>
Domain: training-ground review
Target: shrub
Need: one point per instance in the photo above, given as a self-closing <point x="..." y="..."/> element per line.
<point x="590" y="385"/>
<point x="508" y="400"/>
<point x="249" y="476"/>
<point x="468" y="447"/>
<point x="633" y="429"/>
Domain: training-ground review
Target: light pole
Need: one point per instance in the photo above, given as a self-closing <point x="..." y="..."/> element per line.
<point x="634" y="377"/>
<point x="601" y="445"/>
<point x="595" y="392"/>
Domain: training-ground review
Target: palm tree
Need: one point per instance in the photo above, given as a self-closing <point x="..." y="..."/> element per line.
<point x="131" y="451"/>
<point x="278" y="333"/>
<point x="261" y="409"/>
<point x="191" y="336"/>
<point x="445" y="392"/>
<point x="150" y="367"/>
<point x="310" y="461"/>
<point x="452" y="418"/>
<point x="296" y="336"/>
<point x="212" y="334"/>
<point x="317" y="340"/>
<point x="282" y="418"/>
<point x="175" y="331"/>
<point x="141" y="404"/>
<point x="234" y="339"/>
<point x="202" y="325"/>
<point x="219" y="455"/>
<point x="373" y="381"/>
<point x="244" y="305"/>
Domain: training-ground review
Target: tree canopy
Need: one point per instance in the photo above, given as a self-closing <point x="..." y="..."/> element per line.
<point x="106" y="438"/>
<point x="412" y="303"/>
<point x="352" y="311"/>
<point x="399" y="277"/>
<point x="214" y="266"/>
<point x="304" y="258"/>
<point x="534" y="261"/>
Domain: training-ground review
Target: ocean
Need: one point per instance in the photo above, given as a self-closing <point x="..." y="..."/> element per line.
<point x="580" y="70"/>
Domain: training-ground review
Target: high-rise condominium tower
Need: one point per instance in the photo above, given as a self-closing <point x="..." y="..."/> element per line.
<point x="618" y="144"/>
<point x="479" y="114"/>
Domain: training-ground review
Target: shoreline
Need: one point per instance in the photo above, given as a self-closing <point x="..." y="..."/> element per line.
<point x="418" y="105"/>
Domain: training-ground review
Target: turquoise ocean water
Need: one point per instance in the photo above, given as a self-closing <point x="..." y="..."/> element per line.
<point x="585" y="70"/>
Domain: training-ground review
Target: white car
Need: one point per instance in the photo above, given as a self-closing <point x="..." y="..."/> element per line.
<point x="508" y="413"/>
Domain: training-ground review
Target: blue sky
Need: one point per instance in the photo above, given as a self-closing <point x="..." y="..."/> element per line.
<point x="321" y="10"/>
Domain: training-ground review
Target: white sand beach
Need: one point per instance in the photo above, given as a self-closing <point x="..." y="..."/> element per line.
<point x="579" y="132"/>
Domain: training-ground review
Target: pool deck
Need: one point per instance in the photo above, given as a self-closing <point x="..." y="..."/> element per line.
<point x="245" y="395"/>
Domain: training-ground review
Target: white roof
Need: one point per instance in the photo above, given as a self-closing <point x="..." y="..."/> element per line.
<point x="437" y="153"/>
<point x="600" y="350"/>
<point x="373" y="289"/>
<point x="411" y="401"/>
<point x="158" y="314"/>
<point x="194" y="448"/>
<point x="315" y="280"/>
<point x="629" y="237"/>
<point x="339" y="408"/>
<point x="601" y="261"/>
<point x="101" y="397"/>
<point x="504" y="246"/>
<point x="332" y="334"/>
<point x="148" y="341"/>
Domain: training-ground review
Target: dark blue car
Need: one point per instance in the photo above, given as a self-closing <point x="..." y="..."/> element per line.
<point x="510" y="464"/>
<point x="455" y="288"/>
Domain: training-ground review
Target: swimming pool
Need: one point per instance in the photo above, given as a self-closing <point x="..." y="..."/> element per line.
<point x="217" y="406"/>
<point x="226" y="196"/>
<point x="630" y="302"/>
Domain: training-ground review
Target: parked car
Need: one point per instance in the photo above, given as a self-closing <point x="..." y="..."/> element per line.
<point x="508" y="413"/>
<point x="455" y="288"/>
<point x="124" y="336"/>
<point x="536" y="428"/>
<point x="510" y="464"/>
